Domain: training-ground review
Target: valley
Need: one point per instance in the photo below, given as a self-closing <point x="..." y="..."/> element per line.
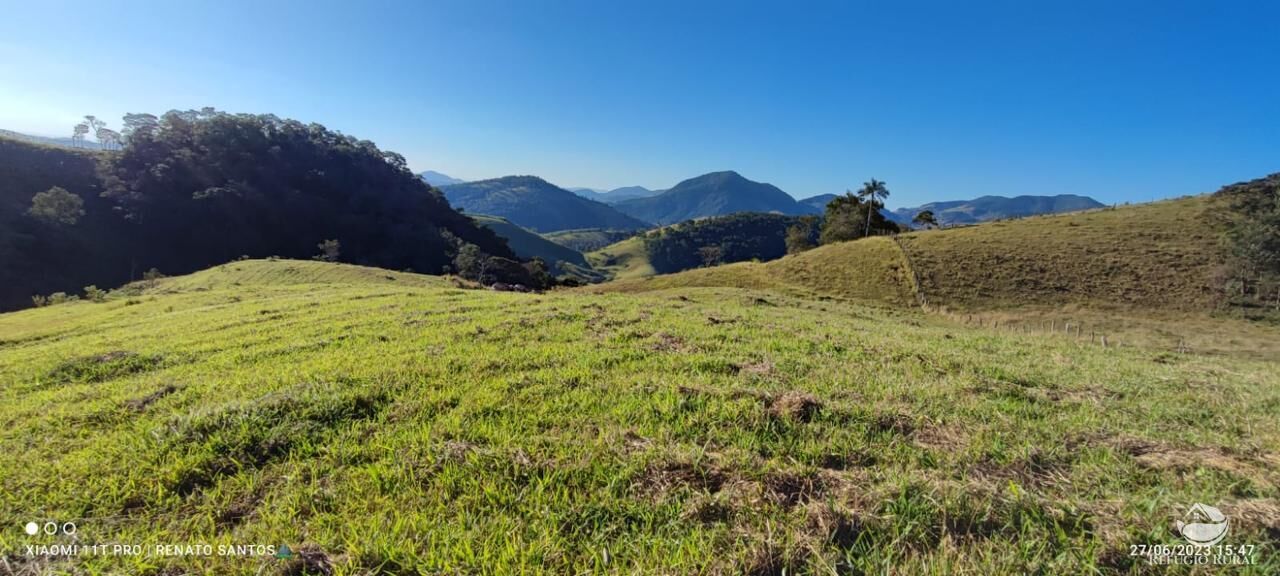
<point x="736" y="393"/>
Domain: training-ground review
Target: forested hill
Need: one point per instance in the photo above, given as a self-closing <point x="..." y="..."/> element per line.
<point x="194" y="189"/>
<point x="714" y="194"/>
<point x="536" y="204"/>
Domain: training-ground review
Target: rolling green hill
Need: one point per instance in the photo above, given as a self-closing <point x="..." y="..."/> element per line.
<point x="528" y="245"/>
<point x="1147" y="275"/>
<point x="588" y="239"/>
<point x="382" y="422"/>
<point x="623" y="260"/>
<point x="871" y="270"/>
<point x="1157" y="255"/>
<point x="536" y="204"/>
<point x="735" y="237"/>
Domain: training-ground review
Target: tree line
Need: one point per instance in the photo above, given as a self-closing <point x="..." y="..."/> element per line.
<point x="190" y="189"/>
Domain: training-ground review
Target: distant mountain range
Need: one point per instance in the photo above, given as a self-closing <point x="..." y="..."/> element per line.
<point x="437" y="179"/>
<point x="714" y="194"/>
<point x="50" y="141"/>
<point x="818" y="202"/>
<point x="983" y="209"/>
<point x="536" y="204"/>
<point x="616" y="195"/>
<point x="988" y="208"/>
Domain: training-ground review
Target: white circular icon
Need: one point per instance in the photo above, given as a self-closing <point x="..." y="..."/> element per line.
<point x="51" y="528"/>
<point x="32" y="528"/>
<point x="69" y="528"/>
<point x="1203" y="525"/>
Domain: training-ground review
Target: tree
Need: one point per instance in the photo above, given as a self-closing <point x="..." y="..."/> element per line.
<point x="840" y="222"/>
<point x="137" y="124"/>
<point x="874" y="194"/>
<point x="109" y="139"/>
<point x="329" y="251"/>
<point x="78" y="133"/>
<point x="470" y="262"/>
<point x="539" y="273"/>
<point x="94" y="125"/>
<point x="57" y="206"/>
<point x="204" y="187"/>
<point x="801" y="235"/>
<point x="926" y="218"/>
<point x="711" y="255"/>
<point x="846" y="219"/>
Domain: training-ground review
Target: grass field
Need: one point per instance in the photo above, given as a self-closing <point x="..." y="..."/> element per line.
<point x="1157" y="255"/>
<point x="588" y="239"/>
<point x="623" y="260"/>
<point x="386" y="422"/>
<point x="872" y="270"/>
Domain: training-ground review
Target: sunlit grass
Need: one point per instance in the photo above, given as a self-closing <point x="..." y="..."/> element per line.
<point x="399" y="423"/>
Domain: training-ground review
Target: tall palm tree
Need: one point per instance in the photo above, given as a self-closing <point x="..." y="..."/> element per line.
<point x="873" y="193"/>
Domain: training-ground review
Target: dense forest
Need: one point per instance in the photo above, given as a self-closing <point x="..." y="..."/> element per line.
<point x="720" y="240"/>
<point x="192" y="189"/>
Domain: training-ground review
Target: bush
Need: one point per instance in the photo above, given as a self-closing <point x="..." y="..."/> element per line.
<point x="94" y="294"/>
<point x="57" y="206"/>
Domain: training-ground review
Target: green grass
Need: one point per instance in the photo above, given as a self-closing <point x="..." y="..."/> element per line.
<point x="410" y="426"/>
<point x="623" y="260"/>
<point x="1156" y="255"/>
<point x="871" y="270"/>
<point x="588" y="239"/>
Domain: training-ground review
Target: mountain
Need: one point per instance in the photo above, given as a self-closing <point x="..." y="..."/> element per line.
<point x="818" y="202"/>
<point x="616" y="195"/>
<point x="995" y="208"/>
<point x="437" y="179"/>
<point x="536" y="204"/>
<point x="714" y="194"/>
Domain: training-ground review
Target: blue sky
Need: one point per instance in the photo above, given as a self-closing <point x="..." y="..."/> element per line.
<point x="1122" y="101"/>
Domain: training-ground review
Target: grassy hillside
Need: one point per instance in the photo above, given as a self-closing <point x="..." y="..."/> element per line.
<point x="624" y="260"/>
<point x="588" y="239"/>
<point x="529" y="245"/>
<point x="1158" y="255"/>
<point x="871" y="270"/>
<point x="406" y="425"/>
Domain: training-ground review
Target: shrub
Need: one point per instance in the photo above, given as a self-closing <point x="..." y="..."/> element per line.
<point x="57" y="206"/>
<point x="95" y="294"/>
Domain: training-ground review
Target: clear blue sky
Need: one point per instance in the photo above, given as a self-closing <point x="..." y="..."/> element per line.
<point x="1123" y="101"/>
